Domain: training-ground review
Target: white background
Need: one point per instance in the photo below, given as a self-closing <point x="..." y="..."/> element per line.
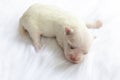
<point x="19" y="61"/>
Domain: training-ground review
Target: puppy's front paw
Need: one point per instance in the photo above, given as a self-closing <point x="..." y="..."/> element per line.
<point x="37" y="47"/>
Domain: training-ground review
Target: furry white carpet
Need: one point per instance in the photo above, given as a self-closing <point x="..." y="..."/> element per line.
<point x="19" y="61"/>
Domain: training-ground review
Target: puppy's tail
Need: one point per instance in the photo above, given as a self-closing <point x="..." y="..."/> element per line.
<point x="95" y="25"/>
<point x="22" y="31"/>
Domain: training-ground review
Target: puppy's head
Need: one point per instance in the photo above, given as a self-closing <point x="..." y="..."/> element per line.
<point x="77" y="43"/>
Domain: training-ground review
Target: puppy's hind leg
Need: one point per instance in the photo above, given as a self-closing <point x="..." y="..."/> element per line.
<point x="95" y="25"/>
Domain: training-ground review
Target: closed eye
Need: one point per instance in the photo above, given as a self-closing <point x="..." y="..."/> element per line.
<point x="71" y="47"/>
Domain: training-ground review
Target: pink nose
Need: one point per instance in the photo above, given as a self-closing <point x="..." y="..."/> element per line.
<point x="74" y="57"/>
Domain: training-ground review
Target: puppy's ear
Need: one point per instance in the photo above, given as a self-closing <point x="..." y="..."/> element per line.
<point x="68" y="30"/>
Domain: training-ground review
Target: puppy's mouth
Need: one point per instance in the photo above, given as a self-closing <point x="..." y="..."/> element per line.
<point x="76" y="62"/>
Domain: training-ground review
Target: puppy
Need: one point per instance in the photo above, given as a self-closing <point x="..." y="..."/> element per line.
<point x="71" y="33"/>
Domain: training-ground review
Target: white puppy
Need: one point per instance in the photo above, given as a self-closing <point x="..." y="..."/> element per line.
<point x="71" y="33"/>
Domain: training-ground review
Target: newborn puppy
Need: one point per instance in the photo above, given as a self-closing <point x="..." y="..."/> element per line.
<point x="71" y="33"/>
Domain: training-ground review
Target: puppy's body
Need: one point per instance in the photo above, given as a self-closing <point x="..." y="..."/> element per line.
<point x="72" y="34"/>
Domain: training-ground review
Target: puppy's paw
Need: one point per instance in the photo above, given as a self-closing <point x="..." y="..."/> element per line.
<point x="37" y="47"/>
<point x="98" y="24"/>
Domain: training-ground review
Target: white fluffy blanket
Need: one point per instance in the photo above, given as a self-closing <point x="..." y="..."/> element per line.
<point x="19" y="61"/>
